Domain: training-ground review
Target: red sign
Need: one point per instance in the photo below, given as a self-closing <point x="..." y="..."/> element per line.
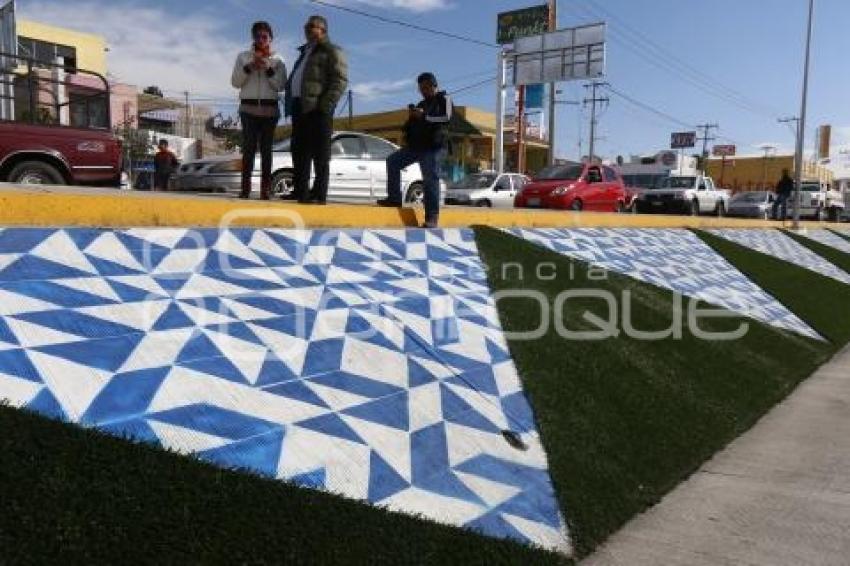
<point x="724" y="150"/>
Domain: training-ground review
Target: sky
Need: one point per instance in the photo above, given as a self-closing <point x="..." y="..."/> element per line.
<point x="737" y="63"/>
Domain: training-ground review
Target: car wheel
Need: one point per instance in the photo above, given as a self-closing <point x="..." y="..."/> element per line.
<point x="577" y="205"/>
<point x="415" y="194"/>
<point x="484" y="203"/>
<point x="282" y="184"/>
<point x="694" y="209"/>
<point x="820" y="214"/>
<point x="36" y="173"/>
<point x="620" y="208"/>
<point x="768" y="214"/>
<point x="720" y="211"/>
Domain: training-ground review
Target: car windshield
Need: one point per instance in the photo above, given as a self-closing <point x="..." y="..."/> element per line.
<point x="750" y="197"/>
<point x="477" y="181"/>
<point x="810" y="187"/>
<point x="678" y="183"/>
<point x="282" y="145"/>
<point x="560" y="172"/>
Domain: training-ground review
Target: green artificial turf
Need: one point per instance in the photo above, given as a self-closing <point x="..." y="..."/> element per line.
<point x="836" y="257"/>
<point x="818" y="300"/>
<point x="623" y="421"/>
<point x="74" y="496"/>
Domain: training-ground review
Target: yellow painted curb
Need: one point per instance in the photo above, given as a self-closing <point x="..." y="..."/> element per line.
<point x="77" y="207"/>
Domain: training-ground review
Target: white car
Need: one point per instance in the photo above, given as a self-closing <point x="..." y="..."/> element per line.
<point x="358" y="171"/>
<point x="819" y="202"/>
<point x="488" y="189"/>
<point x="694" y="195"/>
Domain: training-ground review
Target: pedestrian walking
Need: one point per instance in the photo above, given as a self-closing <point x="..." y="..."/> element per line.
<point x="319" y="79"/>
<point x="165" y="163"/>
<point x="425" y="140"/>
<point x="260" y="76"/>
<point x="784" y="190"/>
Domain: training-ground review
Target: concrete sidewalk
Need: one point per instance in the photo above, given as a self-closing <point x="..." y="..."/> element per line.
<point x="780" y="494"/>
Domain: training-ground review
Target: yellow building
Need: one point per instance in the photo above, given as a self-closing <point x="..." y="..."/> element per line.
<point x="45" y="43"/>
<point x="756" y="172"/>
<point x="472" y="133"/>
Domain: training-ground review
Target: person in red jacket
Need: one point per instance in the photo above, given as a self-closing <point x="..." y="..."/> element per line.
<point x="164" y="164"/>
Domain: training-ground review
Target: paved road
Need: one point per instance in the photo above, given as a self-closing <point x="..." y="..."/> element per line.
<point x="778" y="495"/>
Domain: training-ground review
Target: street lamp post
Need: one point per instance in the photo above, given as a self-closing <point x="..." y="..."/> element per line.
<point x="798" y="159"/>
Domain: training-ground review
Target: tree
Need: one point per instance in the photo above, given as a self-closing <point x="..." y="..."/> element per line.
<point x="154" y="91"/>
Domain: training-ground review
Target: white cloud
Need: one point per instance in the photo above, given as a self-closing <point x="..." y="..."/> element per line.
<point x="374" y="90"/>
<point x="150" y="46"/>
<point x="411" y="5"/>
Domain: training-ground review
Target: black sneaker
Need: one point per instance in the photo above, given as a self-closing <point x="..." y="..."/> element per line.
<point x="387" y="203"/>
<point x="431" y="224"/>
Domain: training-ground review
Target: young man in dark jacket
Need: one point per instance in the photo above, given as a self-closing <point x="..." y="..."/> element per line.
<point x="318" y="80"/>
<point x="425" y="139"/>
<point x="784" y="190"/>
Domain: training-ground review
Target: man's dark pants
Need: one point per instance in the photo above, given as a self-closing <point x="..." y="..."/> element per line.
<point x="311" y="147"/>
<point x="429" y="164"/>
<point x="781" y="202"/>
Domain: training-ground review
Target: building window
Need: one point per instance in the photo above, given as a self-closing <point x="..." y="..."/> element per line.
<point x="46" y="53"/>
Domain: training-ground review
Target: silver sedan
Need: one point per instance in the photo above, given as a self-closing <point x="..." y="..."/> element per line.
<point x="358" y="171"/>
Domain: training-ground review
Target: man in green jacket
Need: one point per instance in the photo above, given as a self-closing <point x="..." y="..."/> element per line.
<point x="318" y="81"/>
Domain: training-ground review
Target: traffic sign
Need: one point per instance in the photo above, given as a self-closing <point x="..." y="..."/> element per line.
<point x="683" y="140"/>
<point x="724" y="151"/>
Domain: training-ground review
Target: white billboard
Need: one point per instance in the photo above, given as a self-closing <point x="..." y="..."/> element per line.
<point x="564" y="55"/>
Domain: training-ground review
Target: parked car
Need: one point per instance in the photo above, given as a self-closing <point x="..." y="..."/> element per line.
<point x="819" y="202"/>
<point x="33" y="154"/>
<point x="488" y="189"/>
<point x="688" y="194"/>
<point x="575" y="187"/>
<point x="752" y="204"/>
<point x="358" y="171"/>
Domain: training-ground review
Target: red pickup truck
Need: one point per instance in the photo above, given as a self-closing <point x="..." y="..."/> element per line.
<point x="37" y="154"/>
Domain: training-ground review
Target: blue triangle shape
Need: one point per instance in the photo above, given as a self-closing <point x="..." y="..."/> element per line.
<point x="83" y="237"/>
<point x="173" y="318"/>
<point x="482" y="380"/>
<point x="173" y="283"/>
<point x="273" y="261"/>
<point x="314" y="480"/>
<point x="494" y="525"/>
<point x="458" y="411"/>
<point x="16" y="363"/>
<point x="274" y="371"/>
<point x="418" y="375"/>
<point x="130" y="294"/>
<point x="73" y="322"/>
<point x="133" y="430"/>
<point x="60" y="295"/>
<point x="107" y="354"/>
<point x="384" y="481"/>
<point x="534" y="506"/>
<point x="332" y="425"/>
<point x="31" y="267"/>
<point x="46" y="404"/>
<point x="342" y="257"/>
<point x="429" y="453"/>
<point x="448" y="484"/>
<point x="220" y="261"/>
<point x="244" y="235"/>
<point x="198" y="347"/>
<point x="299" y="391"/>
<point x="22" y="240"/>
<point x="108" y="268"/>
<point x="356" y="384"/>
<point x="323" y="356"/>
<point x="148" y="254"/>
<point x="126" y="396"/>
<point x="238" y="330"/>
<point x="260" y="454"/>
<point x="392" y="411"/>
<point x="496" y="353"/>
<point x="209" y="236"/>
<point x="217" y="367"/>
<point x="358" y="328"/>
<point x="6" y="334"/>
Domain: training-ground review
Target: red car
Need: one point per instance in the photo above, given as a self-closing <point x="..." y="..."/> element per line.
<point x="575" y="187"/>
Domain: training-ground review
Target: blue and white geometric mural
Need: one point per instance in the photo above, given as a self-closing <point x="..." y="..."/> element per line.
<point x="776" y="244"/>
<point x="828" y="238"/>
<point x="367" y="363"/>
<point x="673" y="259"/>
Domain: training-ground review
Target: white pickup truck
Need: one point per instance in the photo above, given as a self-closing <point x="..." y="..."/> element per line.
<point x="688" y="194"/>
<point x="820" y="202"/>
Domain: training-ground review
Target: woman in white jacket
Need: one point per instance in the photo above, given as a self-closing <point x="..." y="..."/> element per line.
<point x="260" y="76"/>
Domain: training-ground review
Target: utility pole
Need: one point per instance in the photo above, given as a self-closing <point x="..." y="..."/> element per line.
<point x="593" y="101"/>
<point x="706" y="137"/>
<point x="553" y="26"/>
<point x="801" y="130"/>
<point x="767" y="149"/>
<point x="350" y="110"/>
<point x="499" y="149"/>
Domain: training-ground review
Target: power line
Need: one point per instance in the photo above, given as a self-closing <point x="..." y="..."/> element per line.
<point x="405" y="24"/>
<point x="648" y="108"/>
<point x="706" y="136"/>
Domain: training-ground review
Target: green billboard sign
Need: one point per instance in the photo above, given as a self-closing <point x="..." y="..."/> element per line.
<point x="522" y="23"/>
